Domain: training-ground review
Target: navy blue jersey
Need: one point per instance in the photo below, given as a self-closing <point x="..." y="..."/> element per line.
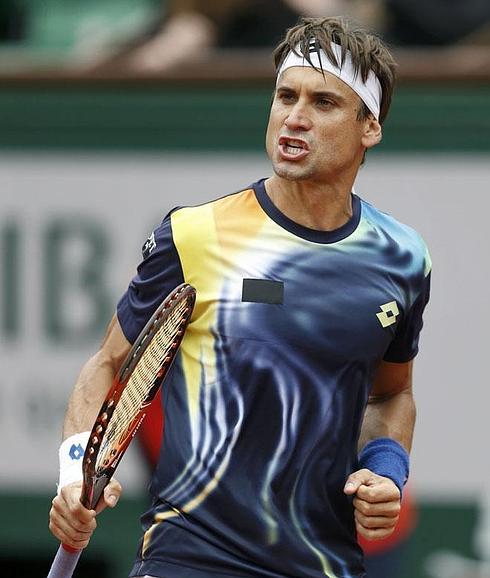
<point x="264" y="405"/>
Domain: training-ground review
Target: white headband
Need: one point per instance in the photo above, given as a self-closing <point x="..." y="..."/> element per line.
<point x="369" y="92"/>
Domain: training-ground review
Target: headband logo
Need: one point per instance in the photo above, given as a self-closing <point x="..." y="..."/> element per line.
<point x="313" y="46"/>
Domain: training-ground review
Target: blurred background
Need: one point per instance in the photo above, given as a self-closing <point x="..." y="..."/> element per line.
<point x="114" y="111"/>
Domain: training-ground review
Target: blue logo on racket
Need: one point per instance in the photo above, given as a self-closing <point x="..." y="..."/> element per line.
<point x="76" y="452"/>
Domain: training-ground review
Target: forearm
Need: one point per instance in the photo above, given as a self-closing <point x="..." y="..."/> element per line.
<point x="384" y="465"/>
<point x="90" y="390"/>
<point x="391" y="416"/>
<point x="72" y="521"/>
<point x="95" y="380"/>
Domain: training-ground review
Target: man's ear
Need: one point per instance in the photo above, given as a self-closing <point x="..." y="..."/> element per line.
<point x="373" y="133"/>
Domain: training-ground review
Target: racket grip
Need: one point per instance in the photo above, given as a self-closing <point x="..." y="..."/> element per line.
<point x="64" y="562"/>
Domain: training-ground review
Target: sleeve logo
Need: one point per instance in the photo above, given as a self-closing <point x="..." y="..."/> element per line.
<point x="149" y="246"/>
<point x="389" y="314"/>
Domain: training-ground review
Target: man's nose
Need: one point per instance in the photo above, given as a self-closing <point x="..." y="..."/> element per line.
<point x="298" y="118"/>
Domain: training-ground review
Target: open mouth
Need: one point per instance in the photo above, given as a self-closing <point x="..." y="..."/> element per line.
<point x="293" y="148"/>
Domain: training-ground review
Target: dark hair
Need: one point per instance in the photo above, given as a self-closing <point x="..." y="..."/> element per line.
<point x="367" y="50"/>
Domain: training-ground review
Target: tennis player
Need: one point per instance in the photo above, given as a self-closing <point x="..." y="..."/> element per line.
<point x="289" y="411"/>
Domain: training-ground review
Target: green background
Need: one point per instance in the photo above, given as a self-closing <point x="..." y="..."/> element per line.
<point x="444" y="118"/>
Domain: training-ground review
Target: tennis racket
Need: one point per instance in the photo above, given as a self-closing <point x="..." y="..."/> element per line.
<point x="123" y="409"/>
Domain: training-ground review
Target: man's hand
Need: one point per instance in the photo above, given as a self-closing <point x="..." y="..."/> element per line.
<point x="376" y="503"/>
<point x="71" y="522"/>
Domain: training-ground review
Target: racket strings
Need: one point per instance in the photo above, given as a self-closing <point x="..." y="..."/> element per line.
<point x="141" y="381"/>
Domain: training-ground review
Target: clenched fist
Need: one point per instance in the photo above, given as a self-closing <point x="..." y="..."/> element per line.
<point x="376" y="504"/>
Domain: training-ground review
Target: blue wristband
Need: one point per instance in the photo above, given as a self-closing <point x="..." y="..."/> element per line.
<point x="386" y="457"/>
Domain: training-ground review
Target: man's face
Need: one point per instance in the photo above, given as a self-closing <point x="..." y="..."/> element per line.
<point x="313" y="132"/>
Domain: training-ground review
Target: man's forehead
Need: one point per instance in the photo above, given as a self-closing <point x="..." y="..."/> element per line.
<point x="315" y="80"/>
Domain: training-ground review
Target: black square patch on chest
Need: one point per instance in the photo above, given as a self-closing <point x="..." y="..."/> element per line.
<point x="262" y="291"/>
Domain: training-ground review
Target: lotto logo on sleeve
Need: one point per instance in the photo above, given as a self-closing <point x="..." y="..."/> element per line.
<point x="389" y="314"/>
<point x="76" y="452"/>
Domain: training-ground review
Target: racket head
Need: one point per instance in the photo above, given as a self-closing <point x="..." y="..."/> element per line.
<point x="135" y="385"/>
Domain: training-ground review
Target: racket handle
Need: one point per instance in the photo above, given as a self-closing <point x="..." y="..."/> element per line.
<point x="64" y="562"/>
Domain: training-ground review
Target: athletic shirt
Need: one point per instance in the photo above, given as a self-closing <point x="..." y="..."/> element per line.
<point x="264" y="404"/>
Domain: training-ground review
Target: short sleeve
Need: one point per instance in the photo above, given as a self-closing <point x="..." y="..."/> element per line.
<point x="405" y="345"/>
<point x="157" y="275"/>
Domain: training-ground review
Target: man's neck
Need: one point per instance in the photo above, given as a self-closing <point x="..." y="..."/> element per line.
<point x="317" y="206"/>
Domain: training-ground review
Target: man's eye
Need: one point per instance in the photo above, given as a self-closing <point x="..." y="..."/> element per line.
<point x="325" y="102"/>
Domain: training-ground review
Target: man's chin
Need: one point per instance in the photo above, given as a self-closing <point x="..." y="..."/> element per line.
<point x="292" y="173"/>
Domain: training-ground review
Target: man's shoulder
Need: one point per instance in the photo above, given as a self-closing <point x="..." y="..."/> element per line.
<point x="398" y="233"/>
<point x="387" y="222"/>
<point x="234" y="198"/>
<point x="230" y="209"/>
<point x="220" y="216"/>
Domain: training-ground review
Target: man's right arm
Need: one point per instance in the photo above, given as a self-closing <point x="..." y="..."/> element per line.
<point x="70" y="522"/>
<point x="95" y="380"/>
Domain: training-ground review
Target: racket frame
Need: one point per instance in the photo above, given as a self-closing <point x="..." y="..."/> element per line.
<point x="96" y="479"/>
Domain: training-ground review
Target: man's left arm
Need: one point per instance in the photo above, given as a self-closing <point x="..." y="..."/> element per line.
<point x="386" y="438"/>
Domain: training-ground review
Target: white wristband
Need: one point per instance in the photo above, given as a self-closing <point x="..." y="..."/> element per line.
<point x="71" y="454"/>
